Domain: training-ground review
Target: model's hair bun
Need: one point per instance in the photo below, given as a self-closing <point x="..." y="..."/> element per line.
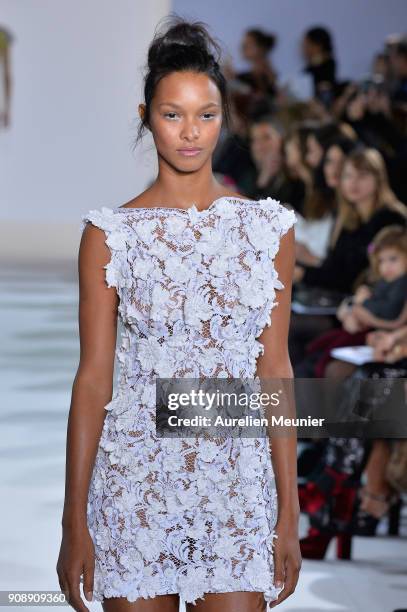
<point x="180" y="46"/>
<point x="181" y="38"/>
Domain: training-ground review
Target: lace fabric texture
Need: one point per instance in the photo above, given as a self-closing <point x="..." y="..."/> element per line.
<point x="189" y="515"/>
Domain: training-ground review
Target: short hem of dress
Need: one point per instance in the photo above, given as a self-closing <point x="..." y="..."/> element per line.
<point x="269" y="597"/>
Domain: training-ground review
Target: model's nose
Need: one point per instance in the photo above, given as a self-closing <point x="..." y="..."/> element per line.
<point x="190" y="131"/>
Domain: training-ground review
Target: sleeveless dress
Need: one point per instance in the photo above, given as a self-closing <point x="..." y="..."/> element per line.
<point x="187" y="515"/>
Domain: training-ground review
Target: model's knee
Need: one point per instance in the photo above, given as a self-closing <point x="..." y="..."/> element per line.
<point x="160" y="603"/>
<point x="239" y="601"/>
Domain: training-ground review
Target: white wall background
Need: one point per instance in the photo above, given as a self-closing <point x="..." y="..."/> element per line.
<point x="77" y="69"/>
<point x="359" y="26"/>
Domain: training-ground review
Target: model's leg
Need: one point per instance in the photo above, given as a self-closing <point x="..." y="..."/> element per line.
<point x="160" y="603"/>
<point x="239" y="601"/>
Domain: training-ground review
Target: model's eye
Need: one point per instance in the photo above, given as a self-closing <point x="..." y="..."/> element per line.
<point x="208" y="116"/>
<point x="171" y="115"/>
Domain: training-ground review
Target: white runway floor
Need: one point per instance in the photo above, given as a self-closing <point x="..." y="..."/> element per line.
<point x="39" y="357"/>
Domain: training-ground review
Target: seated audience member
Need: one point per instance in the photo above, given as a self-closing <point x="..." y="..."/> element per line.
<point x="365" y="205"/>
<point x="318" y="53"/>
<point x="256" y="47"/>
<point x="315" y="224"/>
<point x="295" y="148"/>
<point x="368" y="112"/>
<point x="387" y="341"/>
<point x="390" y="346"/>
<point x="260" y="81"/>
<point x="376" y="496"/>
<point x="399" y="65"/>
<point x="369" y="308"/>
<point x="333" y="497"/>
<point x="232" y="156"/>
<point x="270" y="177"/>
<point x="381" y="69"/>
<point x="319" y="137"/>
<point x="373" y="307"/>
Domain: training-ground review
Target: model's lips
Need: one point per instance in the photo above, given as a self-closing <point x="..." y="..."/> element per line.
<point x="189" y="151"/>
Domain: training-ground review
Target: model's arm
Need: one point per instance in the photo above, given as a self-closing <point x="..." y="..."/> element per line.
<point x="275" y="363"/>
<point x="92" y="390"/>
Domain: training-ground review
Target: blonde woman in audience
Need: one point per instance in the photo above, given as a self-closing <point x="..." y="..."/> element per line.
<point x="366" y="203"/>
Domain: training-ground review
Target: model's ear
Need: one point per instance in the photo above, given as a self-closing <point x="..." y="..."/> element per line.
<point x="142" y="111"/>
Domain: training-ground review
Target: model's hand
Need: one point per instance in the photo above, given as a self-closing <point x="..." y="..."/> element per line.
<point x="287" y="558"/>
<point x="76" y="557"/>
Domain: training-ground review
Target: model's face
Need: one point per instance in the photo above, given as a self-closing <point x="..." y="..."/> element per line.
<point x="265" y="141"/>
<point x="314" y="152"/>
<point x="392" y="263"/>
<point x="333" y="166"/>
<point x="185" y="119"/>
<point x="357" y="185"/>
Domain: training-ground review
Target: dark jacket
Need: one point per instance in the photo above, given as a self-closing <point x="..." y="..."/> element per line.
<point x="324" y="72"/>
<point x="388" y="298"/>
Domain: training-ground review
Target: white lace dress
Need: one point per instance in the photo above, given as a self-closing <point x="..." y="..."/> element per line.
<point x="186" y="515"/>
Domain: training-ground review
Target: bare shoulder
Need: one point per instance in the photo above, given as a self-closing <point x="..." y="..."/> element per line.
<point x="93" y="247"/>
<point x="95" y="228"/>
<point x="143" y="200"/>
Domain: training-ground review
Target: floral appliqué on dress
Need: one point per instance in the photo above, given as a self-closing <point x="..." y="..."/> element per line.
<point x="196" y="289"/>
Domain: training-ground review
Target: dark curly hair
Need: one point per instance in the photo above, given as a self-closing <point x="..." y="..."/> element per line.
<point x="182" y="46"/>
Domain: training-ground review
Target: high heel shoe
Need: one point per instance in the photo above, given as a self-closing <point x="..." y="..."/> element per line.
<point x="315" y="544"/>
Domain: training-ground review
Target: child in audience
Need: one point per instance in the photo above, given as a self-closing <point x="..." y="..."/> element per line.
<point x="385" y="300"/>
<point x="369" y="308"/>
